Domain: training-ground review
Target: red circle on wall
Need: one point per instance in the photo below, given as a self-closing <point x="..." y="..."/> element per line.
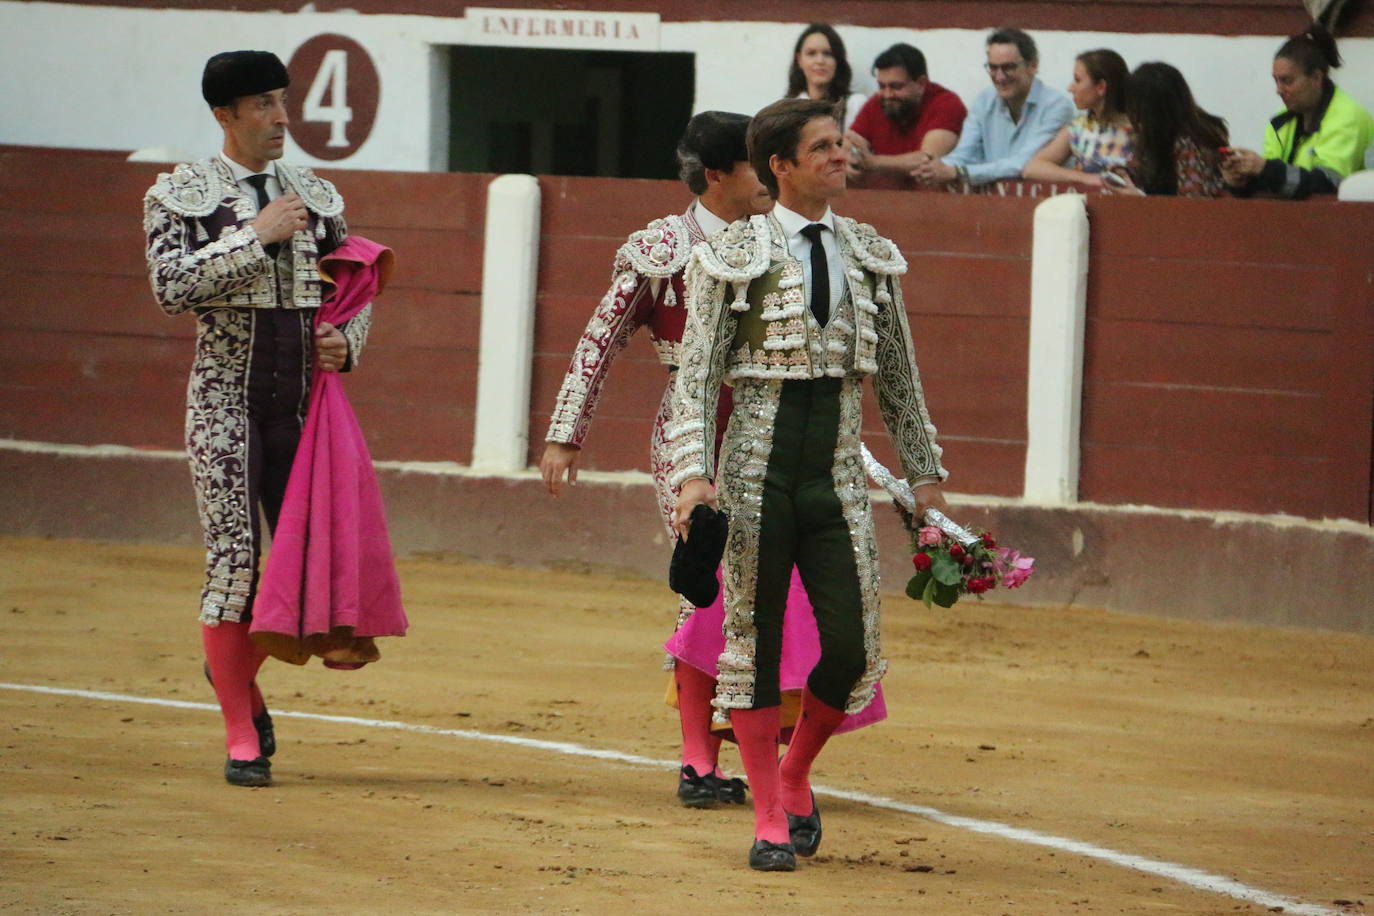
<point x="333" y="98"/>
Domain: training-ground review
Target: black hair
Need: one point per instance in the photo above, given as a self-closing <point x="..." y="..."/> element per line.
<point x="1024" y="43"/>
<point x="905" y="56"/>
<point x="1162" y="111"/>
<point x="1314" y="49"/>
<point x="712" y="140"/>
<point x="844" y="75"/>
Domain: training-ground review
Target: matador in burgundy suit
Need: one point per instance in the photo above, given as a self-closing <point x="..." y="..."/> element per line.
<point x="235" y="239"/>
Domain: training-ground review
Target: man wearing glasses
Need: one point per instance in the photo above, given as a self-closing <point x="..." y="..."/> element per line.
<point x="1008" y="123"/>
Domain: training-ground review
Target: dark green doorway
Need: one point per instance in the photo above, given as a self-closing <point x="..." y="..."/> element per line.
<point x="532" y="110"/>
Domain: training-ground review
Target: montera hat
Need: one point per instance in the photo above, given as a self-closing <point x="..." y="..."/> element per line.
<point x="231" y="74"/>
<point x="692" y="572"/>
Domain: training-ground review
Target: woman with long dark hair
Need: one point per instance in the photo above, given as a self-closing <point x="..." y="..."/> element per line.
<point x="1099" y="139"/>
<point x="1177" y="144"/>
<point x="820" y="70"/>
<point x="1319" y="138"/>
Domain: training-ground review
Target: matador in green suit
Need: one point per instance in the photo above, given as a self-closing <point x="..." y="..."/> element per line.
<point x="794" y="309"/>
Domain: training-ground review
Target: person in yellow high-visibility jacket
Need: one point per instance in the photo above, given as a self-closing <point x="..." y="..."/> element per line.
<point x="1320" y="138"/>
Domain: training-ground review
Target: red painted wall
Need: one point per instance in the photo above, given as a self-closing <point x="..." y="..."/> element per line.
<point x="89" y="358"/>
<point x="1230" y="355"/>
<point x="1205" y="17"/>
<point x="1230" y="344"/>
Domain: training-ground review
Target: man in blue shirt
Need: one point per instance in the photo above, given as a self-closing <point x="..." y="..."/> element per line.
<point x="1008" y="123"/>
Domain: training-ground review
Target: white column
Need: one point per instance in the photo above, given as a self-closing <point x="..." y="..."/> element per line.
<point x="510" y="264"/>
<point x="1054" y="388"/>
<point x="439" y="119"/>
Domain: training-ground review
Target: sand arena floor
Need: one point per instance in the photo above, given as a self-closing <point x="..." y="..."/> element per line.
<point x="1237" y="752"/>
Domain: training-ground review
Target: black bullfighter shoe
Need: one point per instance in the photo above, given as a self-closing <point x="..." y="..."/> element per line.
<point x="766" y="856"/>
<point x="805" y="831"/>
<point x="730" y="791"/>
<point x="257" y="772"/>
<point x="697" y="791"/>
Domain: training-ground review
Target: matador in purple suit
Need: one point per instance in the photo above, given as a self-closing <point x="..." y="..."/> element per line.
<point x="236" y="239"/>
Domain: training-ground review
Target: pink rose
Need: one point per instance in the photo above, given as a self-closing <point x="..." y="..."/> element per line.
<point x="929" y="536"/>
<point x="1016" y="568"/>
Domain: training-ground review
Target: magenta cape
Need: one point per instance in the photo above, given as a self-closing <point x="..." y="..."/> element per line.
<point x="701" y="639"/>
<point x="329" y="585"/>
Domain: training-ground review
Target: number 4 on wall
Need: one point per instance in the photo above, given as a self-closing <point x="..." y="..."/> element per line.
<point x="332" y="80"/>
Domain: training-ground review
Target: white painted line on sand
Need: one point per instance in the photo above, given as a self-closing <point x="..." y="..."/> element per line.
<point x="1182" y="874"/>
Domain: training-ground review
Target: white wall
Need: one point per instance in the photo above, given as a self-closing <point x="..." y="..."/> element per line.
<point x="115" y="78"/>
<point x="1230" y="77"/>
<point x="112" y="78"/>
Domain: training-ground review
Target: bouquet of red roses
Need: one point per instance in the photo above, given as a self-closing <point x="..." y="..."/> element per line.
<point x="951" y="561"/>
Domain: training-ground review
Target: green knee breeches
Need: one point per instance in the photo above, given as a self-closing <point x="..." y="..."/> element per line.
<point x="802" y="523"/>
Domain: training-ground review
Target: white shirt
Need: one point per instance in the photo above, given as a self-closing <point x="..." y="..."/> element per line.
<point x="241" y="176"/>
<point x="792" y="225"/>
<point x="708" y="221"/>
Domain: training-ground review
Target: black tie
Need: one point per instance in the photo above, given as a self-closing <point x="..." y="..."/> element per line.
<point x="259" y="183"/>
<point x="820" y="274"/>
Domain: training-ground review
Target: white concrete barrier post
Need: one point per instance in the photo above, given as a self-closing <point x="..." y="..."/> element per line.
<point x="510" y="265"/>
<point x="1054" y="388"/>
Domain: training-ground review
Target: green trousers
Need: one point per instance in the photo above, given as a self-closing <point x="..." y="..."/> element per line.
<point x="802" y="522"/>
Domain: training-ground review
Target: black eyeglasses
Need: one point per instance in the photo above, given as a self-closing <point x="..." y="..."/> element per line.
<point x="1008" y="69"/>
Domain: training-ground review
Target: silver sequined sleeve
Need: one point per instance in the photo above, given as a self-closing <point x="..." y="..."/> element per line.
<point x="900" y="398"/>
<point x="184" y="277"/>
<point x="608" y="332"/>
<point x="705" y="349"/>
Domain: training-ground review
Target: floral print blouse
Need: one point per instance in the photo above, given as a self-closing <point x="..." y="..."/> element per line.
<point x="1096" y="146"/>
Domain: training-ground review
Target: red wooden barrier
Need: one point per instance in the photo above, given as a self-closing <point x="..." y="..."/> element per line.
<point x="1230" y="347"/>
<point x="1230" y="356"/>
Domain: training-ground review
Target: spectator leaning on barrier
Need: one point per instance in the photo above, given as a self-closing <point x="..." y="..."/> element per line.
<point x="1099" y="139"/>
<point x="906" y="122"/>
<point x="820" y="71"/>
<point x="1320" y="137"/>
<point x="1177" y="146"/>
<point x="1008" y="122"/>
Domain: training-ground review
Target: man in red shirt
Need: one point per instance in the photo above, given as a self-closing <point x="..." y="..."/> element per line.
<point x="907" y="122"/>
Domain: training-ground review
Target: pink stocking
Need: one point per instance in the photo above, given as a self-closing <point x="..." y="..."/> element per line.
<point x="815" y="726"/>
<point x="695" y="688"/>
<point x="757" y="733"/>
<point x="234" y="662"/>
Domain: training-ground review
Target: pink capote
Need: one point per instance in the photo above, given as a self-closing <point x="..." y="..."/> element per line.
<point x="330" y="586"/>
<point x="701" y="639"/>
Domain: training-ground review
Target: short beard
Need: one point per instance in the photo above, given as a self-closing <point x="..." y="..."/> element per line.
<point x="902" y="113"/>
